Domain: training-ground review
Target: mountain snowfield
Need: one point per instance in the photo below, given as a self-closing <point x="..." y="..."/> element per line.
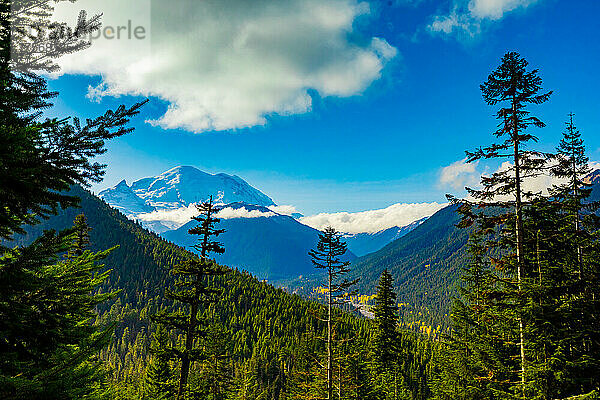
<point x="179" y="187"/>
<point x="261" y="236"/>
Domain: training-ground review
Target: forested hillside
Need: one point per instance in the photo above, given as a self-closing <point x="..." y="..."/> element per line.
<point x="425" y="264"/>
<point x="269" y="335"/>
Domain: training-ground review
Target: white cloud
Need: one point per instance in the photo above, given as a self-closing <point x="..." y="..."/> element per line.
<point x="242" y="212"/>
<point x="459" y="174"/>
<point x="495" y="9"/>
<point x="372" y="221"/>
<point x="537" y="185"/>
<point x="469" y="16"/>
<point x="172" y="217"/>
<point x="451" y="22"/>
<point x="284" y="209"/>
<point x="227" y="64"/>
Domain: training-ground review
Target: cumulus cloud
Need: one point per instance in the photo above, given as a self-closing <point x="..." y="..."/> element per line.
<point x="227" y="64"/>
<point x="468" y="16"/>
<point x="538" y="184"/>
<point x="372" y="221"/>
<point x="459" y="174"/>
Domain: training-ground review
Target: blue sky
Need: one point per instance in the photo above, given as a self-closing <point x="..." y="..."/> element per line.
<point x="385" y="138"/>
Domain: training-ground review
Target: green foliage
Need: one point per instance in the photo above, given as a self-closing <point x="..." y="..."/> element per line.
<point x="47" y="305"/>
<point x="425" y="265"/>
<point x="386" y="319"/>
<point x="191" y="290"/>
<point x="522" y="327"/>
<point x="41" y="158"/>
<point x="160" y="380"/>
<point x="328" y="256"/>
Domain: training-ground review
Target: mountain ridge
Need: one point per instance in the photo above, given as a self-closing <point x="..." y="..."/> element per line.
<point x="179" y="187"/>
<point x="269" y="245"/>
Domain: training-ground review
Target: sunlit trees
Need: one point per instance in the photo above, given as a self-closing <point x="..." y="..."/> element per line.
<point x="160" y="383"/>
<point x="328" y="256"/>
<point x="192" y="290"/>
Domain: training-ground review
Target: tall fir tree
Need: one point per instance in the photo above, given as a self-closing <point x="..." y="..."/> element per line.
<point x="49" y="344"/>
<point x="192" y="290"/>
<point x="328" y="256"/>
<point x="385" y="341"/>
<point x="386" y="323"/>
<point x="575" y="350"/>
<point x="160" y="380"/>
<point x="499" y="205"/>
<point x="572" y="165"/>
<point x="47" y="301"/>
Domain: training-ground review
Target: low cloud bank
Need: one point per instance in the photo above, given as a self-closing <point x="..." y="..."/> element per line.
<point x="372" y="221"/>
<point x="183" y="215"/>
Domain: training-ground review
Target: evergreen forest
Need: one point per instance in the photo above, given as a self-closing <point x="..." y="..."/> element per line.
<point x="95" y="306"/>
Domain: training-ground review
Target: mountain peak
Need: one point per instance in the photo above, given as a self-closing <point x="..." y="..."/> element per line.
<point x="181" y="186"/>
<point x="592" y="177"/>
<point x="124" y="199"/>
<point x="184" y="169"/>
<point x="184" y="184"/>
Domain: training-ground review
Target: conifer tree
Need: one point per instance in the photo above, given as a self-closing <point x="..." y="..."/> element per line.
<point x="572" y="166"/>
<point x="41" y="158"/>
<point x="160" y="381"/>
<point x="513" y="87"/>
<point x="576" y="344"/>
<point x="328" y="256"/>
<point x="474" y="361"/>
<point x="193" y="291"/>
<point x="351" y="373"/>
<point x="82" y="236"/>
<point x="385" y="337"/>
<point x="386" y="321"/>
<point x="216" y="373"/>
<point x="47" y="301"/>
<point x="49" y="346"/>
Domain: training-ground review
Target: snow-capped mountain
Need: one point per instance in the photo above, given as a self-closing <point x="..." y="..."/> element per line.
<point x="180" y="187"/>
<point x="125" y="200"/>
<point x="259" y="236"/>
